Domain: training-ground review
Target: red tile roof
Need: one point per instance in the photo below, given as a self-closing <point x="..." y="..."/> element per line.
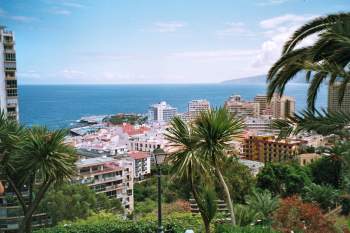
<point x="131" y="130"/>
<point x="138" y="154"/>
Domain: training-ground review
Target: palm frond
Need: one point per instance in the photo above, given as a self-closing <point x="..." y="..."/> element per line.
<point x="321" y="122"/>
<point x="314" y="26"/>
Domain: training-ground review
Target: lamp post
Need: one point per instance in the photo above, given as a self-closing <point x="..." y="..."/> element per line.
<point x="159" y="156"/>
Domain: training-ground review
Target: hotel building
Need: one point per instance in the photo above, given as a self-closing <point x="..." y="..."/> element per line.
<point x="197" y="106"/>
<point x="268" y="149"/>
<point x="162" y="112"/>
<point x="8" y="80"/>
<point x="279" y="106"/>
<point x="333" y="98"/>
<point x="109" y="176"/>
<point x="242" y="108"/>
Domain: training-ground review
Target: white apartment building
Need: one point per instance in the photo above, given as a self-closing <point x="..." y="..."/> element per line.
<point x="8" y="80"/>
<point x="197" y="106"/>
<point x="258" y="124"/>
<point x="146" y="143"/>
<point x="161" y="112"/>
<point x="109" y="176"/>
<point x="141" y="164"/>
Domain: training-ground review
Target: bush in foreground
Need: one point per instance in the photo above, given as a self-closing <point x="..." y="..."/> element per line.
<point x="247" y="229"/>
<point x="108" y="223"/>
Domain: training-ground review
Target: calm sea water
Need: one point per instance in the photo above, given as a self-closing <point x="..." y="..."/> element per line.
<point x="60" y="105"/>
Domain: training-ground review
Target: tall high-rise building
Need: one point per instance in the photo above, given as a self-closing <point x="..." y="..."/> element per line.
<point x="279" y="107"/>
<point x="197" y="106"/>
<point x="162" y="112"/>
<point x="8" y="80"/>
<point x="287" y="107"/>
<point x="333" y="98"/>
<point x="262" y="100"/>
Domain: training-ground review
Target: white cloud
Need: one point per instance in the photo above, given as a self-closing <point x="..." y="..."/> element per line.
<point x="72" y="73"/>
<point x="18" y="18"/>
<point x="277" y="31"/>
<point x="111" y="56"/>
<point x="271" y="2"/>
<point x="214" y="54"/>
<point x="235" y="29"/>
<point x="170" y="26"/>
<point x="60" y="11"/>
<point x="284" y="20"/>
<point x="30" y="74"/>
<point x="72" y="4"/>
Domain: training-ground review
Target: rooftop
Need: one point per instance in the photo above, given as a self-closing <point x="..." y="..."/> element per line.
<point x="138" y="154"/>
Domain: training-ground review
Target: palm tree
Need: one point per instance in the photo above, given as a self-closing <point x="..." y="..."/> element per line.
<point x="321" y="122"/>
<point x="213" y="130"/>
<point x="187" y="164"/>
<point x="246" y="215"/>
<point x="11" y="134"/>
<point x="262" y="202"/>
<point x="327" y="59"/>
<point x="43" y="160"/>
<point x="326" y="196"/>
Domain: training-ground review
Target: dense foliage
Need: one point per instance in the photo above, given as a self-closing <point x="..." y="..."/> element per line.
<point x="32" y="160"/>
<point x="297" y="216"/>
<point x="326" y="171"/>
<point x="248" y="229"/>
<point x="126" y="118"/>
<point x="108" y="223"/>
<point x="239" y="180"/>
<point x="59" y="201"/>
<point x="283" y="179"/>
<point x="325" y="196"/>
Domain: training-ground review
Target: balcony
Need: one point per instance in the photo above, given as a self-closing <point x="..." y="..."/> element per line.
<point x="10" y="66"/>
<point x="9" y="42"/>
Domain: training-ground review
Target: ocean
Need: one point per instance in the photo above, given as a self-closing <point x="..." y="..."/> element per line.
<point x="59" y="106"/>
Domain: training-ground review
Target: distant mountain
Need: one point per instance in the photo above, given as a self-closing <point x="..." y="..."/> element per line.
<point x="261" y="79"/>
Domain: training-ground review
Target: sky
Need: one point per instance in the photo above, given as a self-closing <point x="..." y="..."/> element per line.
<point x="152" y="41"/>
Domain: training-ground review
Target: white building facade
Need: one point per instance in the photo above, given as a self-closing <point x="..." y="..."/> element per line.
<point x="161" y="112"/>
<point x="8" y="80"/>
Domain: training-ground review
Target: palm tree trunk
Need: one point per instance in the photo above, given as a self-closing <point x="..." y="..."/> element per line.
<point x="199" y="204"/>
<point x="18" y="193"/>
<point x="31" y="209"/>
<point x="31" y="187"/>
<point x="228" y="196"/>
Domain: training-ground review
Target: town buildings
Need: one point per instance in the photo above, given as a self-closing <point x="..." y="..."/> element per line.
<point x="109" y="176"/>
<point x="161" y="112"/>
<point x="333" y="98"/>
<point x="236" y="105"/>
<point x="197" y="106"/>
<point x="268" y="149"/>
<point x="8" y="80"/>
<point x="307" y="158"/>
<point x="141" y="164"/>
<point x="278" y="107"/>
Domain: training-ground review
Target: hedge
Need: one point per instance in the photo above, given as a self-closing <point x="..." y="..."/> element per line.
<point x="176" y="223"/>
<point x="247" y="229"/>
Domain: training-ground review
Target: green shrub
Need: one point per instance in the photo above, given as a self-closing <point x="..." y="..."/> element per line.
<point x="107" y="223"/>
<point x="247" y="229"/>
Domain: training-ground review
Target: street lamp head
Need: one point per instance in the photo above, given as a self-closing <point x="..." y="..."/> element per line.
<point x="159" y="155"/>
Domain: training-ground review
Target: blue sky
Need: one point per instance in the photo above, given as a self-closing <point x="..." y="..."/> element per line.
<point x="152" y="41"/>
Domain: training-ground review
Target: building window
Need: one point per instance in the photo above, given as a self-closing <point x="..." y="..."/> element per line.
<point x="11" y="83"/>
<point x="10" y="57"/>
<point x="11" y="92"/>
